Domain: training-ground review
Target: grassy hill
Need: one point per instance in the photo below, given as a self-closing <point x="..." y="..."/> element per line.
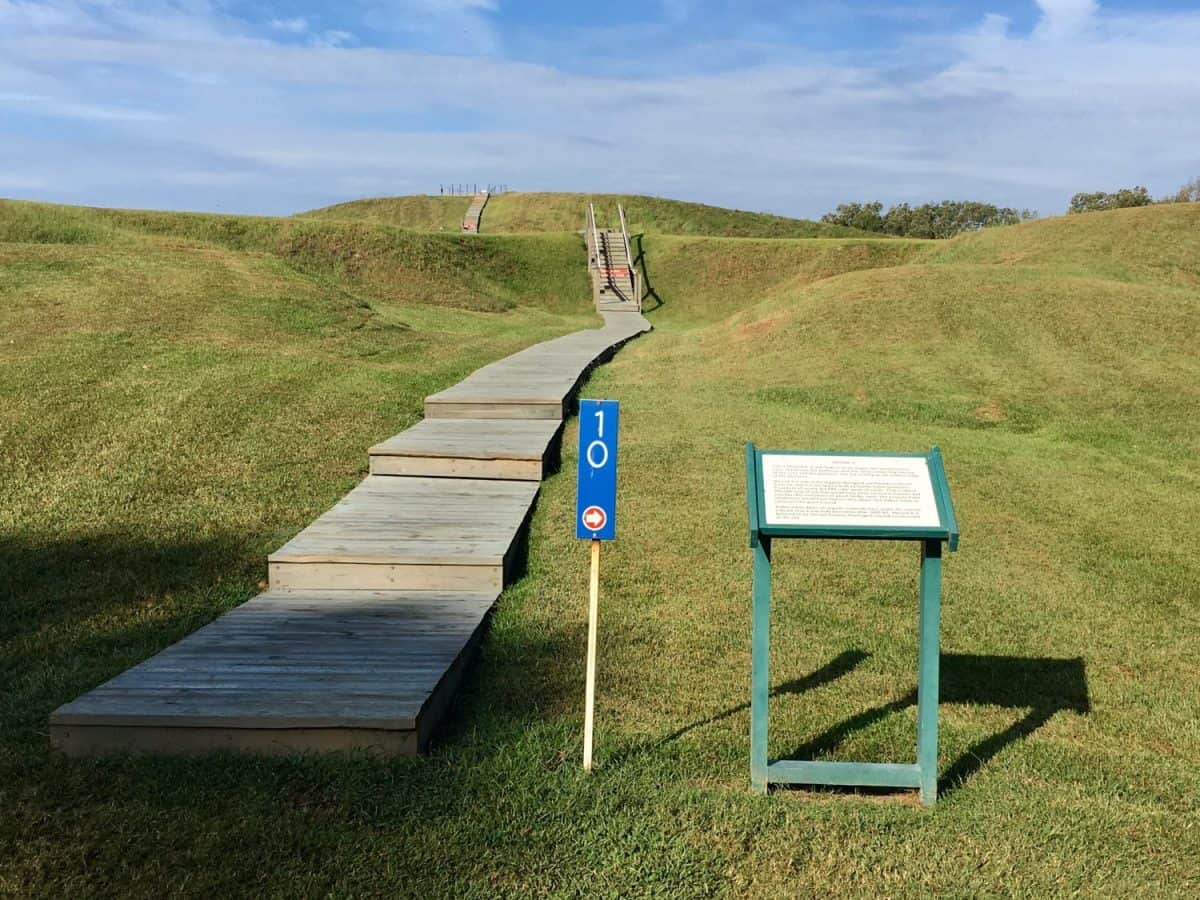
<point x="179" y="394"/>
<point x="385" y="262"/>
<point x="1055" y="364"/>
<point x="556" y="212"/>
<point x="419" y="212"/>
<point x="700" y="279"/>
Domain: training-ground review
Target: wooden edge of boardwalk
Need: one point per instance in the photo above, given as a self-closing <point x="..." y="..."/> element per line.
<point x="80" y="729"/>
<point x="376" y="608"/>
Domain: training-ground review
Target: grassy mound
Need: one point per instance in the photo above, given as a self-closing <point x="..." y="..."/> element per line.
<point x="1063" y="385"/>
<point x="1154" y="244"/>
<point x="385" y="262"/>
<point x="708" y="279"/>
<point x="557" y="212"/>
<point x="419" y="212"/>
<point x="174" y="403"/>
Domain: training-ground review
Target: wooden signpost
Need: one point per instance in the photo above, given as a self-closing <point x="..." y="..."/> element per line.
<point x="863" y="496"/>
<point x="595" y="520"/>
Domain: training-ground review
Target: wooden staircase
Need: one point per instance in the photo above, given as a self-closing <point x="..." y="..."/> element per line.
<point x="474" y="214"/>
<point x="616" y="282"/>
<point x="373" y="609"/>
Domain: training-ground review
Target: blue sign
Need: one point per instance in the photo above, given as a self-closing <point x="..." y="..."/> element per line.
<point x="596" y="500"/>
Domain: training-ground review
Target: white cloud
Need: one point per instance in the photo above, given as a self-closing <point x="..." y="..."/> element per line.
<point x="263" y="126"/>
<point x="1062" y="17"/>
<point x="298" y="25"/>
<point x="57" y="108"/>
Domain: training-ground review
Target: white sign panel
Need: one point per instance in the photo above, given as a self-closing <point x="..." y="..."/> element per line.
<point x="866" y="491"/>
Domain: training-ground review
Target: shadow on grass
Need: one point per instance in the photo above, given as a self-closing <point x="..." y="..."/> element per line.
<point x="51" y="581"/>
<point x="75" y="612"/>
<point x="1044" y="686"/>
<point x="639" y="259"/>
<point x="842" y="664"/>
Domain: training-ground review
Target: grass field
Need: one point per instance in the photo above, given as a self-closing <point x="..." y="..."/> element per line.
<point x="559" y="212"/>
<point x="174" y="407"/>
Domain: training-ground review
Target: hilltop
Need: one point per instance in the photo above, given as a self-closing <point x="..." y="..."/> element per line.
<point x="559" y="212"/>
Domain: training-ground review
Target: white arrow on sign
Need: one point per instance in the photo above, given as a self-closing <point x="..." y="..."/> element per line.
<point x="594" y="518"/>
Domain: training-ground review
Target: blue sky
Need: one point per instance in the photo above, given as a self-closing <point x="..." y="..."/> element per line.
<point x="274" y="107"/>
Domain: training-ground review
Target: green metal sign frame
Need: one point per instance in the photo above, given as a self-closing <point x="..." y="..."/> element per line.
<point x="922" y="774"/>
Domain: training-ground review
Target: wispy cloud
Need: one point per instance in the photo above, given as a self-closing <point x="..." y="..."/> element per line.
<point x="461" y="26"/>
<point x="297" y="25"/>
<point x="184" y="105"/>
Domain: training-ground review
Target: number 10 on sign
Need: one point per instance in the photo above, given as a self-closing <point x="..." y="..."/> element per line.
<point x="595" y="519"/>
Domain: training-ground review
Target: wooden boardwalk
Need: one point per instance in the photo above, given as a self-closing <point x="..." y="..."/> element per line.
<point x="473" y="217"/>
<point x="290" y="671"/>
<point x="409" y="533"/>
<point x="374" y="609"/>
<point x="518" y="449"/>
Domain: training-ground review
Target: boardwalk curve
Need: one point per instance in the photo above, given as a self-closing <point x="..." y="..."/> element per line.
<point x="373" y="609"/>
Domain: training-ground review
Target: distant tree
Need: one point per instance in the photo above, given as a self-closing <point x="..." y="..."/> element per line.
<point x="1189" y="193"/>
<point x="867" y="216"/>
<point x="1101" y="200"/>
<point x="930" y="220"/>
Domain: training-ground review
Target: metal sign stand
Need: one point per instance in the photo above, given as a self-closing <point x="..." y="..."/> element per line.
<point x="923" y="773"/>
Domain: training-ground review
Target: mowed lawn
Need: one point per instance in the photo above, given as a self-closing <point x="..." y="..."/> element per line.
<point x="1054" y="363"/>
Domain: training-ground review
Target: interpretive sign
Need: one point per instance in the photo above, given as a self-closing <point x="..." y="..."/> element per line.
<point x="874" y="496"/>
<point x="817" y="489"/>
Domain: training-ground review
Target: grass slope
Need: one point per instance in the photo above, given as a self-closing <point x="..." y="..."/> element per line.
<point x="386" y="263"/>
<point x="420" y="212"/>
<point x="1060" y="383"/>
<point x="705" y="280"/>
<point x="557" y="212"/>
<point x="178" y="396"/>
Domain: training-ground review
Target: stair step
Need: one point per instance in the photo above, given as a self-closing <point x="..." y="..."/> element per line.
<point x="517" y="449"/>
<point x="408" y="533"/>
<point x="290" y="671"/>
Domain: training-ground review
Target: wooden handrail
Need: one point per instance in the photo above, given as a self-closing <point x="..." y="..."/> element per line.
<point x="634" y="275"/>
<point x="595" y="235"/>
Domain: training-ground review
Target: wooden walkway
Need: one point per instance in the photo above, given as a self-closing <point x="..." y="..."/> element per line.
<point x="374" y="609"/>
<point x="473" y="217"/>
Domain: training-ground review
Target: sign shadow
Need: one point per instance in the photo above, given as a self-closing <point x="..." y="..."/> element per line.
<point x="1043" y="686"/>
<point x="842" y="664"/>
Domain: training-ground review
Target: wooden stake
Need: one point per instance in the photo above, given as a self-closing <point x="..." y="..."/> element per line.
<point x="590" y="693"/>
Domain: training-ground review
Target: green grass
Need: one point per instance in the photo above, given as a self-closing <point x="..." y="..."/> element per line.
<point x="420" y="212"/>
<point x="385" y="263"/>
<point x="557" y="212"/>
<point x="704" y="279"/>
<point x="172" y="411"/>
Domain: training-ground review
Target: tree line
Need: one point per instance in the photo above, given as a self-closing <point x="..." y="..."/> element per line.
<point x="951" y="217"/>
<point x="929" y="220"/>
<point x="1096" y="201"/>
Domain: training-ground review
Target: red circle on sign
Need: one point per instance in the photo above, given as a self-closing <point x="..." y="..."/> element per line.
<point x="594" y="518"/>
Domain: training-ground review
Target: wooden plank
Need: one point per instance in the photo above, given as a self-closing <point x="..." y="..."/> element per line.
<point x="432" y="467"/>
<point x="101" y="740"/>
<point x="530" y="383"/>
<point x="341" y="669"/>
<point x="486" y="440"/>
<point x="386" y="524"/>
<point x="335" y="576"/>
